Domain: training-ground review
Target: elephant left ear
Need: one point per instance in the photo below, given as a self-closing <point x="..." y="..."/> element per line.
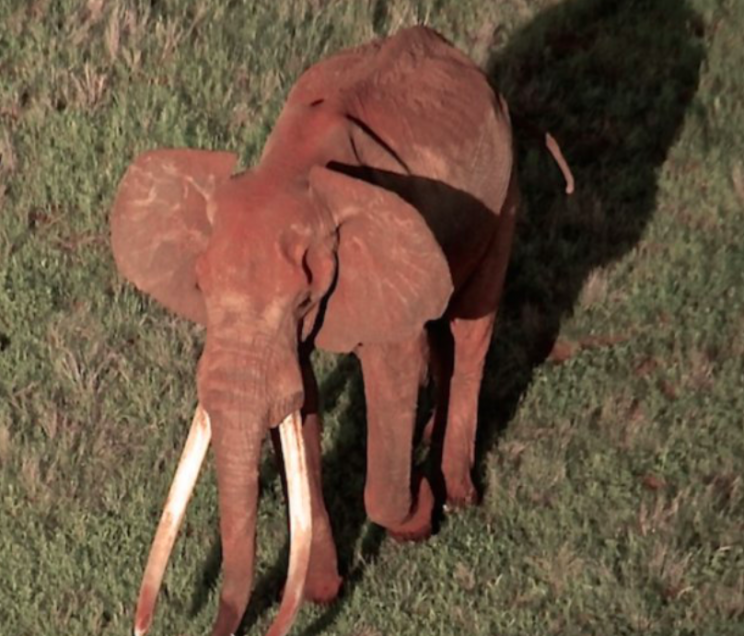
<point x="392" y="274"/>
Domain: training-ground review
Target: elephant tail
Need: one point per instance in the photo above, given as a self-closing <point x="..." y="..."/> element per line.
<point x="532" y="132"/>
<point x="555" y="150"/>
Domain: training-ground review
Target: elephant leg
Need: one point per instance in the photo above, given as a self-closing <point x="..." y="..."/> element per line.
<point x="393" y="497"/>
<point x="472" y="316"/>
<point x="472" y="338"/>
<point x="323" y="581"/>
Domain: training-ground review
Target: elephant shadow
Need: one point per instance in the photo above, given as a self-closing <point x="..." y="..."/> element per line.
<point x="612" y="81"/>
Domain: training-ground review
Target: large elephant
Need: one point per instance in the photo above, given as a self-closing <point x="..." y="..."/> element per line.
<point x="385" y="199"/>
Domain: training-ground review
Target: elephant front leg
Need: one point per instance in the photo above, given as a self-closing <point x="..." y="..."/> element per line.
<point x="394" y="498"/>
<point x="323" y="581"/>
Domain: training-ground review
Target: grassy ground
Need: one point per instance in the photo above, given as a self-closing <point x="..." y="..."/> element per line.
<point x="612" y="446"/>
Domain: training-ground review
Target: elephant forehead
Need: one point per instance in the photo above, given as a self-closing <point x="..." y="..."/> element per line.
<point x="253" y="262"/>
<point x="259" y="235"/>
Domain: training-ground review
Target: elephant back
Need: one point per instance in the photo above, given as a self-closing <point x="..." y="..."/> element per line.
<point x="425" y="109"/>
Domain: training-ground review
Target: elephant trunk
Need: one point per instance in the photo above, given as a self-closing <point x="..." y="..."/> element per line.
<point x="236" y="423"/>
<point x="237" y="439"/>
<point x="238" y="456"/>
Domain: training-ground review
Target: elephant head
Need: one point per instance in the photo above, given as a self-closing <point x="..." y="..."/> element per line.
<point x="266" y="261"/>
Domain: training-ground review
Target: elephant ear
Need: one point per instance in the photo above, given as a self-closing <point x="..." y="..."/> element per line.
<point x="161" y="222"/>
<point x="392" y="274"/>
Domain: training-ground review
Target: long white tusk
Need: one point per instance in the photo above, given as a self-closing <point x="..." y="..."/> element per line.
<point x="187" y="472"/>
<point x="300" y="522"/>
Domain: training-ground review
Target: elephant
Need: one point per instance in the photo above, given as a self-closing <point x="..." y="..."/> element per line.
<point x="384" y="202"/>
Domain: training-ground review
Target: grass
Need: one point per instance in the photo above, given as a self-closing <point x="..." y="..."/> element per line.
<point x="612" y="447"/>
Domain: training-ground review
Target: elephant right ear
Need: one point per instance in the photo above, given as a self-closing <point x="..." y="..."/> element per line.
<point x="162" y="220"/>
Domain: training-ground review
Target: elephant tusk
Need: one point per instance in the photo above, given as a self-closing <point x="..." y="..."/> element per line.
<point x="187" y="472"/>
<point x="300" y="522"/>
<point x="555" y="150"/>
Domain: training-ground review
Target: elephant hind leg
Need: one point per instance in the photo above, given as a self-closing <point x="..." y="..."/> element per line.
<point x="394" y="498"/>
<point x="472" y="316"/>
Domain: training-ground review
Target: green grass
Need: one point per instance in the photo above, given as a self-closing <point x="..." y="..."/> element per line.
<point x="612" y="468"/>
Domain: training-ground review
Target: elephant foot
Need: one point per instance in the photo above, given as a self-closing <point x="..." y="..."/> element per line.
<point x="417" y="527"/>
<point x="461" y="494"/>
<point x="323" y="589"/>
<point x="323" y="582"/>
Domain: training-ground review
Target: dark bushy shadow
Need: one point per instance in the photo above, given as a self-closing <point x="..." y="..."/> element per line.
<point x="612" y="81"/>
